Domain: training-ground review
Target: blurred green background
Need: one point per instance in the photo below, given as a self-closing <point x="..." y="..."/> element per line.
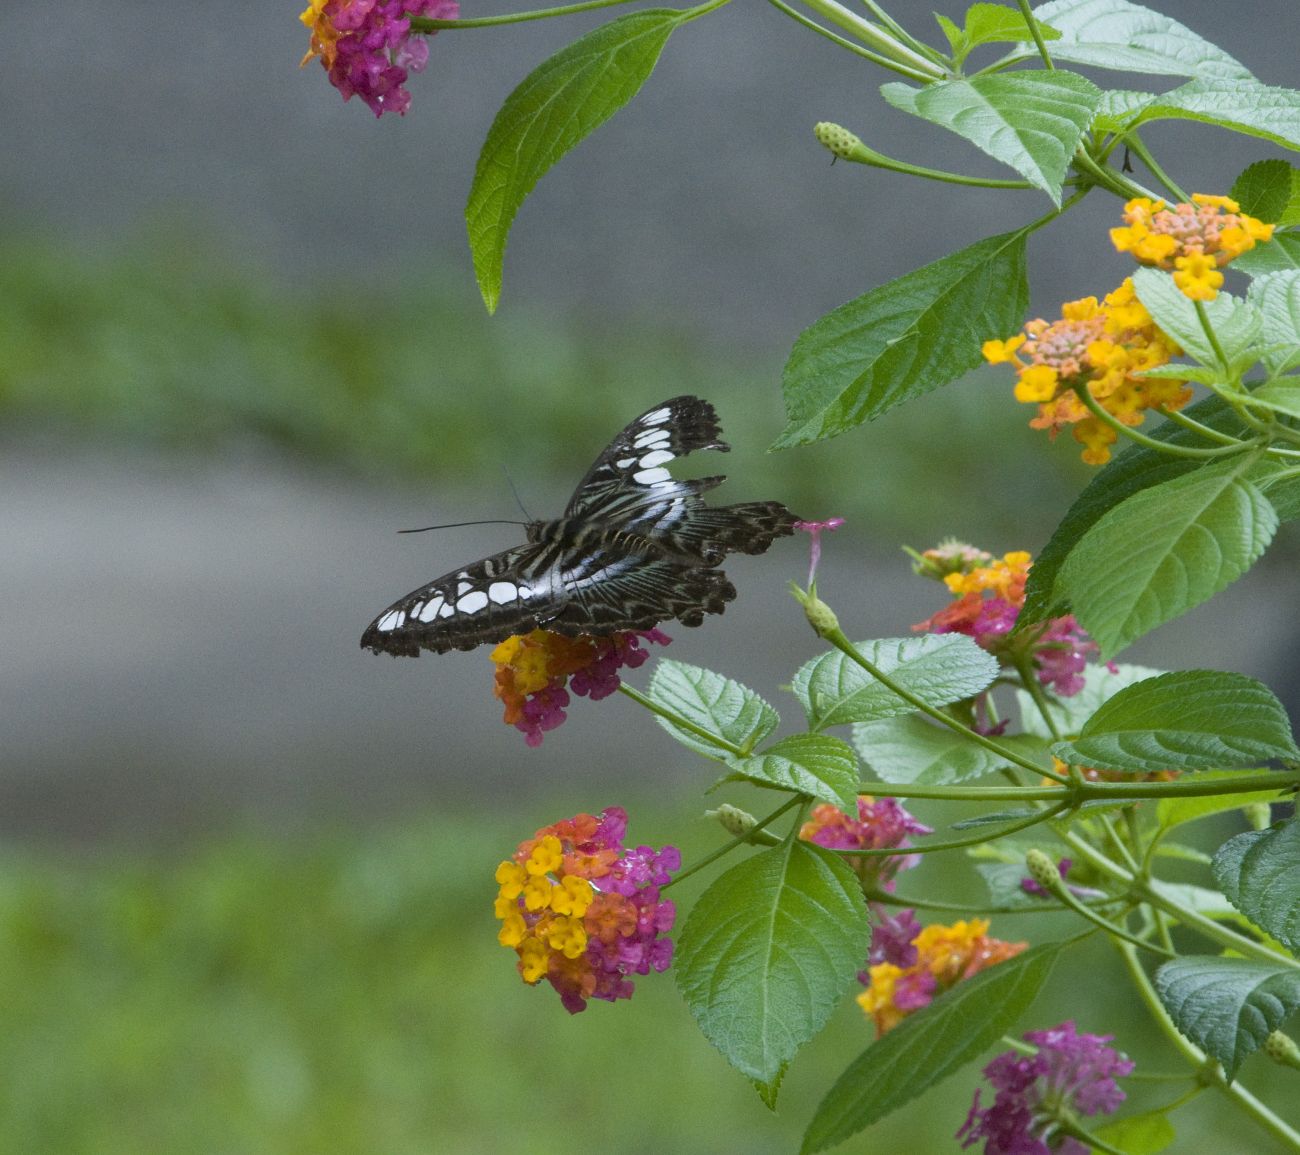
<point x="246" y="870"/>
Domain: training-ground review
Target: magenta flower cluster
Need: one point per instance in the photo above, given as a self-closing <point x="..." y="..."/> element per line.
<point x="367" y="48"/>
<point x="1061" y="653"/>
<point x="1071" y="1074"/>
<point x="600" y="677"/>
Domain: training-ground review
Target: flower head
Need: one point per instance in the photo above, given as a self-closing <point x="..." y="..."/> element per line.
<point x="1196" y="239"/>
<point x="583" y="912"/>
<point x="988" y="594"/>
<point x="367" y="49"/>
<point x="1097" y="349"/>
<point x="533" y="671"/>
<point x="1071" y="1074"/>
<point x="941" y="957"/>
<point x="878" y="825"/>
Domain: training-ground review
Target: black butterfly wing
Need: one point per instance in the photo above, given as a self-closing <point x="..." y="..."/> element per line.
<point x="508" y="593"/>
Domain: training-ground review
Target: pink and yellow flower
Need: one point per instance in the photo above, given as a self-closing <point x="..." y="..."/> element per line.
<point x="944" y="956"/>
<point x="878" y="825"/>
<point x="536" y="671"/>
<point x="582" y="911"/>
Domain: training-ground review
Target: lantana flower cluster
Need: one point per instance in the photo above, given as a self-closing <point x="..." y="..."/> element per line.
<point x="583" y="912"/>
<point x="878" y="825"/>
<point x="367" y="48"/>
<point x="1069" y="1075"/>
<point x="1194" y="241"/>
<point x="989" y="593"/>
<point x="917" y="968"/>
<point x="1098" y="349"/>
<point x="536" y="671"/>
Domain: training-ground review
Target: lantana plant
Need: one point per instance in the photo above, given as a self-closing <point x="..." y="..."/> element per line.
<point x="1079" y="773"/>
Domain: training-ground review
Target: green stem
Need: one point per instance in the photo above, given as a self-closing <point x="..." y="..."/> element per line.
<point x="739" y="840"/>
<point x="1061" y="892"/>
<point x="916" y="903"/>
<point x="1077" y="1131"/>
<point x="1108" y="178"/>
<point x="840" y="642"/>
<point x="1208" y="1071"/>
<point x="1088" y="791"/>
<point x="935" y="847"/>
<point x="1181" y="418"/>
<point x="1085" y="395"/>
<point x="902" y="59"/>
<point x="1034" y="688"/>
<point x="683" y="723"/>
<point x="1037" y="34"/>
<point x="1134" y="143"/>
<point x="865" y="53"/>
<point x="901" y="34"/>
<point x="861" y="154"/>
<point x="425" y="24"/>
<point x="1210" y="335"/>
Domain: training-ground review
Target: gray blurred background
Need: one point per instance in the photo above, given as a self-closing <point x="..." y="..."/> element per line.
<point x="244" y="865"/>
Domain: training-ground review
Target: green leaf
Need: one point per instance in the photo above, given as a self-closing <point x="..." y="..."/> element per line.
<point x="559" y="103"/>
<point x="815" y="764"/>
<point x="1279" y="396"/>
<point x="1236" y="323"/>
<point x="938" y="668"/>
<point x="1182" y="853"/>
<point x="903" y="339"/>
<point x="1164" y="550"/>
<point x="1189" y="720"/>
<point x="929" y="1045"/>
<point x="1130" y="38"/>
<point x="1282" y="252"/>
<point x="1134" y="470"/>
<point x="913" y="750"/>
<point x="1242" y="105"/>
<point x="1031" y="120"/>
<point x="768" y="951"/>
<point x="1260" y="873"/>
<point x="1227" y="1006"/>
<point x="991" y="24"/>
<point x="1276" y="298"/>
<point x="1137" y="1135"/>
<point x="1118" y="109"/>
<point x="1070" y="714"/>
<point x="1171" y="812"/>
<point x="1267" y="190"/>
<point x="712" y="702"/>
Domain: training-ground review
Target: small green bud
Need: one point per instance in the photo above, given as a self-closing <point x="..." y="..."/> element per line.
<point x="741" y="823"/>
<point x="821" y="617"/>
<point x="841" y="142"/>
<point x="1282" y="1048"/>
<point x="1043" y="870"/>
<point x="1258" y="814"/>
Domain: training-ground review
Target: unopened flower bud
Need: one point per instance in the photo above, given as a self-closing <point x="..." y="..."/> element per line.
<point x="1258" y="814"/>
<point x="1282" y="1048"/>
<point x="1043" y="870"/>
<point x="841" y="142"/>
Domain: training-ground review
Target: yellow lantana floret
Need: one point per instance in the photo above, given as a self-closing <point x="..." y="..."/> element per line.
<point x="1037" y="383"/>
<point x="1198" y="276"/>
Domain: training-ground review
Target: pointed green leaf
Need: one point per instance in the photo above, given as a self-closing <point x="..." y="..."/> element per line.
<point x="558" y="104"/>
<point x="1269" y="190"/>
<point x="712" y="702"/>
<point x="929" y="1045"/>
<point x="1119" y="108"/>
<point x="1031" y="120"/>
<point x="768" y="952"/>
<point x="1136" y="469"/>
<point x="1236" y="323"/>
<point x="1279" y="396"/>
<point x="1260" y="873"/>
<point x="1227" y="1006"/>
<point x="903" y="339"/>
<point x="1276" y="298"/>
<point x="997" y="24"/>
<point x="1137" y="1135"/>
<point x="1188" y="720"/>
<point x="1242" y="105"/>
<point x="1282" y="252"/>
<point x="815" y="764"/>
<point x="913" y="750"/>
<point x="1130" y="38"/>
<point x="1070" y="714"/>
<point x="1164" y="550"/>
<point x="938" y="668"/>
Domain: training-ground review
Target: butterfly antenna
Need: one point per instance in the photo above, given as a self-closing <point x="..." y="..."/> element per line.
<point x="519" y="501"/>
<point x="458" y="524"/>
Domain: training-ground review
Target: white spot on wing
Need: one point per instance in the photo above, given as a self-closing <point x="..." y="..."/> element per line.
<point x="651" y="437"/>
<point x="501" y="592"/>
<point x="462" y="589"/>
<point x="430" y="610"/>
<point x="625" y="462"/>
<point x="657" y="417"/>
<point x="650" y="476"/>
<point x="390" y="621"/>
<point x="471" y="603"/>
<point x="447" y="610"/>
<point x="655" y="457"/>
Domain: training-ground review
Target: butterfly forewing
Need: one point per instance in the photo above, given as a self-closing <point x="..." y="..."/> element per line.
<point x="635" y="547"/>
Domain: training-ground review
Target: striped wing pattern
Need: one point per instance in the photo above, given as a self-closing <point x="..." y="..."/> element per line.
<point x="635" y="547"/>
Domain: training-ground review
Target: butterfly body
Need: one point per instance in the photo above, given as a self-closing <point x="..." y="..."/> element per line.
<point x="634" y="547"/>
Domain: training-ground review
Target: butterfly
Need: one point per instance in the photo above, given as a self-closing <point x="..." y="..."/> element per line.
<point x="634" y="547"/>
